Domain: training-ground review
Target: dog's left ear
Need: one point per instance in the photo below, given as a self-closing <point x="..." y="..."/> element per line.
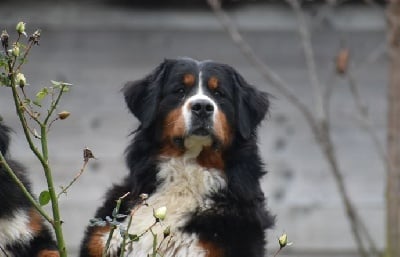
<point x="251" y="106"/>
<point x="142" y="96"/>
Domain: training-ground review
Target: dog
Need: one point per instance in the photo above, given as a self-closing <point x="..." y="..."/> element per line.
<point x="195" y="152"/>
<point x="23" y="231"/>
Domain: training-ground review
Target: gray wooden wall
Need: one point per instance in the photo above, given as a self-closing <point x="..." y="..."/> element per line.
<point x="98" y="48"/>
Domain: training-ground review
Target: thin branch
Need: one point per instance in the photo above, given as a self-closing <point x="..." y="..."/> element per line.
<point x="364" y="117"/>
<point x="268" y="74"/>
<point x="25" y="55"/>
<point x="65" y="189"/>
<point x="320" y="130"/>
<point x="22" y="119"/>
<point x="309" y="57"/>
<point x="54" y="105"/>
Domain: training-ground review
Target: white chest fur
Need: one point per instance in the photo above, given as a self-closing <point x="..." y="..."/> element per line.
<point x="185" y="187"/>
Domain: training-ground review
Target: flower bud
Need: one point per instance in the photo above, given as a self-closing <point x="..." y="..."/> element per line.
<point x="160" y="213"/>
<point x="283" y="240"/>
<point x="21" y="28"/>
<point x="63" y="115"/>
<point x="20" y="80"/>
<point x="167" y="231"/>
<point x="15" y="51"/>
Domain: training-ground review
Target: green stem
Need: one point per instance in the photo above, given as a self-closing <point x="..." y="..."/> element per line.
<point x="25" y="191"/>
<point x="57" y="224"/>
<point x="43" y="158"/>
<point x="154" y="254"/>
<point x="126" y="234"/>
<point x="54" y="105"/>
<point x="21" y="117"/>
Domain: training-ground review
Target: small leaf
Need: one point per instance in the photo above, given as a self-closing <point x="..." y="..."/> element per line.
<point x="42" y="94"/>
<point x="44" y="197"/>
<point x="133" y="237"/>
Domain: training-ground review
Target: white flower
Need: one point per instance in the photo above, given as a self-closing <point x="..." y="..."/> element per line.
<point x="20" y="79"/>
<point x="283" y="240"/>
<point x="160" y="213"/>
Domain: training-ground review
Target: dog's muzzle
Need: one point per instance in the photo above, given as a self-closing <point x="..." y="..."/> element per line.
<point x="202" y="111"/>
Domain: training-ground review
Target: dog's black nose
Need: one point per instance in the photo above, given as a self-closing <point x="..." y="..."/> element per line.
<point x="202" y="108"/>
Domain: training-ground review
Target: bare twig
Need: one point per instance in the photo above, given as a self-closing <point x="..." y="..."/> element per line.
<point x="309" y="57"/>
<point x="268" y="74"/>
<point x="364" y="116"/>
<point x="320" y="126"/>
<point x="86" y="157"/>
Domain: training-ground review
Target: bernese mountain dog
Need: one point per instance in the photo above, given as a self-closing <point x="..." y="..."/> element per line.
<point x="195" y="153"/>
<point x="23" y="231"/>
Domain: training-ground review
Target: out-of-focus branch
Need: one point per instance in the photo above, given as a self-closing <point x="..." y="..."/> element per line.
<point x="268" y="74"/>
<point x="309" y="58"/>
<point x="364" y="118"/>
<point x="320" y="125"/>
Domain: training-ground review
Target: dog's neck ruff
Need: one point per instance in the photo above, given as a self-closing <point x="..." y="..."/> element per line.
<point x="185" y="187"/>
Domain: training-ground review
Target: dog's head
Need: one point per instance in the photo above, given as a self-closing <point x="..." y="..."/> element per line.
<point x="195" y="104"/>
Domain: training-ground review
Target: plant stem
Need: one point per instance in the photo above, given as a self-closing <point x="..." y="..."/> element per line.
<point x="57" y="224"/>
<point x="126" y="234"/>
<point x="65" y="189"/>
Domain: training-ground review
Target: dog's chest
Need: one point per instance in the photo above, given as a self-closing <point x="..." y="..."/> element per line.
<point x="184" y="188"/>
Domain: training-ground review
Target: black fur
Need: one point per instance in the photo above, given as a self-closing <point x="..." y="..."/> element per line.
<point x="237" y="221"/>
<point x="12" y="199"/>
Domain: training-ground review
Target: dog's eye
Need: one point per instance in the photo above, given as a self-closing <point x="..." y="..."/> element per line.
<point x="180" y="91"/>
<point x="218" y="93"/>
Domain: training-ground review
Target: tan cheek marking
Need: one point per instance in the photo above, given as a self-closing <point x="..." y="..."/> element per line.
<point x="211" y="158"/>
<point x="188" y="80"/>
<point x="213" y="83"/>
<point x="48" y="253"/>
<point x="222" y="129"/>
<point x="211" y="249"/>
<point x="35" y="222"/>
<point x="174" y="126"/>
<point x="96" y="243"/>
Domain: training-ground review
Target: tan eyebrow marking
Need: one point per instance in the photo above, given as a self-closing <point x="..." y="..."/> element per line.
<point x="188" y="79"/>
<point x="213" y="83"/>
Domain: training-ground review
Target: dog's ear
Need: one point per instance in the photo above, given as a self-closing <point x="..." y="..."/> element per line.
<point x="251" y="106"/>
<point x="4" y="138"/>
<point x="142" y="96"/>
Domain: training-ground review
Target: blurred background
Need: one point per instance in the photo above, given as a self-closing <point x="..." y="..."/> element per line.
<point x="99" y="45"/>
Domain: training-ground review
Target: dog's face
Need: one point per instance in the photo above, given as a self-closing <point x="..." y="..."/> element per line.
<point x="194" y="104"/>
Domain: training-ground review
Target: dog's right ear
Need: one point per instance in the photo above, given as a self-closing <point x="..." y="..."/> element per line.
<point x="142" y="96"/>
